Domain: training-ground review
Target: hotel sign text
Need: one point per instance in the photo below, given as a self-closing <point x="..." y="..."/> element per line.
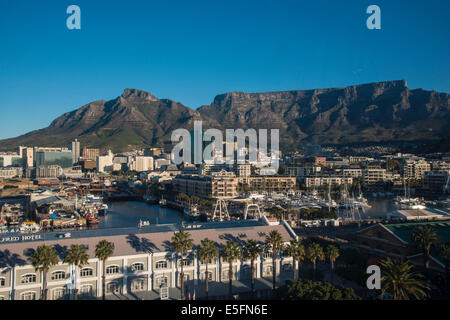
<point x="30" y="237"/>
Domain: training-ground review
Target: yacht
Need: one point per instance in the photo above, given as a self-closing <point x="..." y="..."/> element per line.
<point x="192" y="213"/>
<point x="29" y="227"/>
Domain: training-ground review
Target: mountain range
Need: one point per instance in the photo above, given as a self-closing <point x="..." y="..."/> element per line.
<point x="369" y="113"/>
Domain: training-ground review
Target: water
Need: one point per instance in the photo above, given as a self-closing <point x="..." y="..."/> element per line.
<point x="379" y="208"/>
<point x="128" y="214"/>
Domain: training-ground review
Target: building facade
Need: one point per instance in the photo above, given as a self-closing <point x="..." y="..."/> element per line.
<point x="143" y="263"/>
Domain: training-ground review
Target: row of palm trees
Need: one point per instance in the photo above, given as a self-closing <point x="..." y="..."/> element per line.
<point x="251" y="250"/>
<point x="44" y="257"/>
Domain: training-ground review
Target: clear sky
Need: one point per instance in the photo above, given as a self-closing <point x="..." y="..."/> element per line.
<point x="190" y="51"/>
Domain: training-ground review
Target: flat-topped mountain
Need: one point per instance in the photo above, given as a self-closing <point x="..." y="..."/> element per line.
<point x="375" y="112"/>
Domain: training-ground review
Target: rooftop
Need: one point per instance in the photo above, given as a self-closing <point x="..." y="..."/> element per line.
<point x="130" y="241"/>
<point x="406" y="230"/>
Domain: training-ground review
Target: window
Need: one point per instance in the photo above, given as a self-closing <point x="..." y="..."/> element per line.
<point x="267" y="255"/>
<point x="137" y="267"/>
<point x="161" y="265"/>
<point x="58" y="293"/>
<point x="185" y="262"/>
<point x="86" y="289"/>
<point x="86" y="272"/>
<point x="112" y="269"/>
<point x="161" y="280"/>
<point x="28" y="278"/>
<point x="225" y="275"/>
<point x="58" y="275"/>
<point x="113" y="287"/>
<point x="31" y="295"/>
<point x="138" y="285"/>
<point x="202" y="275"/>
<point x="2" y="282"/>
<point x="268" y="270"/>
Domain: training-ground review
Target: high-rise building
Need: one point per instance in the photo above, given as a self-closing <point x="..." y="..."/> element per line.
<point x="142" y="163"/>
<point x="27" y="157"/>
<point x="75" y="148"/>
<point x="90" y="153"/>
<point x="105" y="162"/>
<point x="51" y="171"/>
<point x="59" y="158"/>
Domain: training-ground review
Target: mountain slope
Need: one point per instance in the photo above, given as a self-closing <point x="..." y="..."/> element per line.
<point x="375" y="112"/>
<point x="136" y="118"/>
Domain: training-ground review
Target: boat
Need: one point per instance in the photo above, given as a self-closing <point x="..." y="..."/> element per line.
<point x="29" y="227"/>
<point x="93" y="199"/>
<point x="103" y="209"/>
<point x="150" y="199"/>
<point x="256" y="196"/>
<point x="192" y="213"/>
<point x="162" y="202"/>
<point x="92" y="221"/>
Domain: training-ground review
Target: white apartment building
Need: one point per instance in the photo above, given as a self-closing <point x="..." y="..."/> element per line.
<point x="142" y="263"/>
<point x="142" y="163"/>
<point x="413" y="169"/>
<point x="312" y="182"/>
<point x="105" y="162"/>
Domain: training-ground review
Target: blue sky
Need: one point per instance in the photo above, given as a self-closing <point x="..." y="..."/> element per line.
<point x="190" y="51"/>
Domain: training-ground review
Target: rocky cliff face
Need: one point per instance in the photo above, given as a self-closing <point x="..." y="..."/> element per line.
<point x="376" y="112"/>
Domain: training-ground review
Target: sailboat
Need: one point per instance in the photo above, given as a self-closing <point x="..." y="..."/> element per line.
<point x="162" y="202"/>
<point x="406" y="202"/>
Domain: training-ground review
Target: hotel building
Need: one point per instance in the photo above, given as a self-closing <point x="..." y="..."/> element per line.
<point x="142" y="261"/>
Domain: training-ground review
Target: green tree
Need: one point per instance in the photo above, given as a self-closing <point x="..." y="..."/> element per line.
<point x="445" y="256"/>
<point x="332" y="253"/>
<point x="400" y="282"/>
<point x="104" y="250"/>
<point x="251" y="251"/>
<point x="206" y="253"/>
<point x="315" y="252"/>
<point x="296" y="250"/>
<point x="309" y="290"/>
<point x="77" y="257"/>
<point x="424" y="237"/>
<point x="230" y="253"/>
<point x="181" y="243"/>
<point x="42" y="260"/>
<point x="274" y="244"/>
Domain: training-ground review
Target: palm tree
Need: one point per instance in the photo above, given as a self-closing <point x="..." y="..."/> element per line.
<point x="206" y="253"/>
<point x="400" y="282"/>
<point x="104" y="250"/>
<point x="181" y="243"/>
<point x="297" y="251"/>
<point x="251" y="251"/>
<point x="230" y="253"/>
<point x="77" y="257"/>
<point x="424" y="237"/>
<point x="42" y="260"/>
<point x="290" y="250"/>
<point x="314" y="253"/>
<point x="274" y="244"/>
<point x="445" y="255"/>
<point x="332" y="253"/>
